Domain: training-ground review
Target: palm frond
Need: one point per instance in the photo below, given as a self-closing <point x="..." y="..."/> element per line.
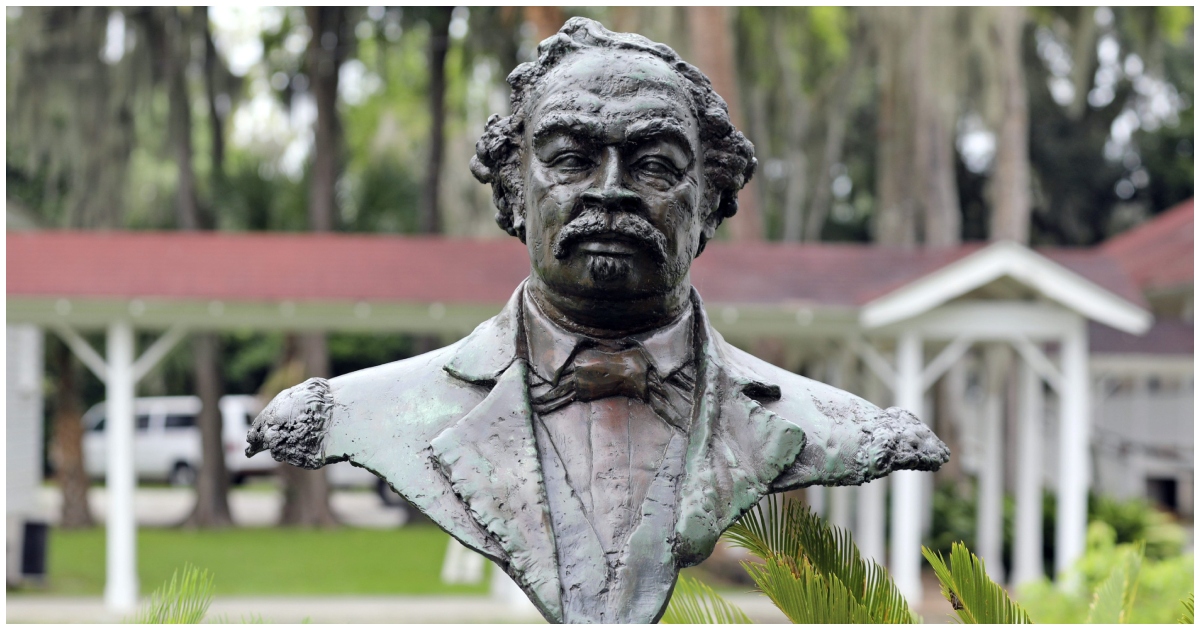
<point x="789" y="534"/>
<point x="1189" y="609"/>
<point x="185" y="599"/>
<point x="832" y="552"/>
<point x="1113" y="600"/>
<point x="695" y="602"/>
<point x="766" y="531"/>
<point x="974" y="596"/>
<point x="805" y="595"/>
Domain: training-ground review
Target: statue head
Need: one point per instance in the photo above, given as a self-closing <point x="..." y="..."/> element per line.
<point x="617" y="163"/>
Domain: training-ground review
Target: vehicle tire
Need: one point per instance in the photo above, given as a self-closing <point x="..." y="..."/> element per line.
<point x="389" y="496"/>
<point x="182" y="474"/>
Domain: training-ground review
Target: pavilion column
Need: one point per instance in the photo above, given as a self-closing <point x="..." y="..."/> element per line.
<point x="1027" y="543"/>
<point x="989" y="531"/>
<point x="906" y="513"/>
<point x="1071" y="524"/>
<point x="121" y="586"/>
<point x="871" y="533"/>
<point x="837" y="499"/>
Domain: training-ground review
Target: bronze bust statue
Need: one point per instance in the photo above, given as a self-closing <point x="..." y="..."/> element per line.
<point x="598" y="435"/>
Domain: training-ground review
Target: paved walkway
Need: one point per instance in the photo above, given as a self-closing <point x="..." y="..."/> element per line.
<point x="349" y="609"/>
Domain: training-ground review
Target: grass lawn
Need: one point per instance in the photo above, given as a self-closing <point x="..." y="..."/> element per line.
<point x="267" y="561"/>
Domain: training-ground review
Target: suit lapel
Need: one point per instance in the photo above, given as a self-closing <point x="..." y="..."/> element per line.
<point x="736" y="448"/>
<point x="490" y="457"/>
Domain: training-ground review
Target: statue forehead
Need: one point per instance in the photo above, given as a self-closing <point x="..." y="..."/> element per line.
<point x="584" y="81"/>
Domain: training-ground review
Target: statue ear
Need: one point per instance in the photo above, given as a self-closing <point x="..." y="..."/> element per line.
<point x="518" y="220"/>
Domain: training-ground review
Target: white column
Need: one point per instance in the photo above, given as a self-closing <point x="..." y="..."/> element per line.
<point x="23" y="424"/>
<point x="840" y="506"/>
<point x="817" y="499"/>
<point x="989" y="530"/>
<point x="872" y="533"/>
<point x="121" y="586"/>
<point x="1073" y="442"/>
<point x="905" y="556"/>
<point x="1027" y="542"/>
<point x="871" y="498"/>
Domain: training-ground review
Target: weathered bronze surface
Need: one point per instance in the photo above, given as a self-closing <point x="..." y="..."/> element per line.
<point x="598" y="435"/>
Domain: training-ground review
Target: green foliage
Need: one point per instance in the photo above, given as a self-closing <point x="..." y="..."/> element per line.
<point x="814" y="569"/>
<point x="695" y="602"/>
<point x="1160" y="583"/>
<point x="185" y="599"/>
<point x="1113" y="601"/>
<point x="1137" y="520"/>
<point x="974" y="596"/>
<point x="1189" y="610"/>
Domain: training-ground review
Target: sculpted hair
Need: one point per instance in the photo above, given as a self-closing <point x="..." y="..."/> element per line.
<point x="728" y="156"/>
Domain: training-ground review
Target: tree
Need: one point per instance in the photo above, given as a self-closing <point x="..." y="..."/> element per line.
<point x="70" y="134"/>
<point x="439" y="44"/>
<point x="917" y="198"/>
<point x="710" y="32"/>
<point x="306" y="493"/>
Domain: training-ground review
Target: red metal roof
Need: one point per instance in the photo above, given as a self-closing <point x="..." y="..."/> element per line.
<point x="346" y="267"/>
<point x="1159" y="254"/>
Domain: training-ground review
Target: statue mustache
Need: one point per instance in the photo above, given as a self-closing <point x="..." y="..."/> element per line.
<point x="597" y="222"/>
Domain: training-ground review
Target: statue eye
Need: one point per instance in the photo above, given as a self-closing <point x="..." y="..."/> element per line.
<point x="571" y="162"/>
<point x="657" y="167"/>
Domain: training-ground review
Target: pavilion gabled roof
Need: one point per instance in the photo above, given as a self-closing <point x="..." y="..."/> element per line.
<point x="1086" y="293"/>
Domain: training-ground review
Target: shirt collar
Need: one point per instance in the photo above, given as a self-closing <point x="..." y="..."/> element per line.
<point x="550" y="346"/>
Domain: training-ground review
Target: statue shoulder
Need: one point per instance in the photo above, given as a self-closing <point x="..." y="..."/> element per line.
<point x="321" y="421"/>
<point x="849" y="441"/>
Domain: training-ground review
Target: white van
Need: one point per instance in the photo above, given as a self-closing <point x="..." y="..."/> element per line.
<point x="166" y="443"/>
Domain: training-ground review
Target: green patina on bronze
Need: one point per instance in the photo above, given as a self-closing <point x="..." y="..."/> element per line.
<point x="613" y="204"/>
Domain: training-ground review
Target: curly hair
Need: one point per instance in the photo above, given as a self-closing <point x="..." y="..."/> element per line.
<point x="728" y="156"/>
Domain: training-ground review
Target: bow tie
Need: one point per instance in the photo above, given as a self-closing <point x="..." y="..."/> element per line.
<point x="596" y="374"/>
<point x="599" y="374"/>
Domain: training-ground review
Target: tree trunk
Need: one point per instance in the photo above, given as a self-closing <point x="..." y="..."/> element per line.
<point x="439" y="43"/>
<point x="306" y="492"/>
<point x="546" y="21"/>
<point x="324" y="61"/>
<point x="212" y="483"/>
<point x="894" y="220"/>
<point x="175" y="57"/>
<point x="917" y="198"/>
<point x="711" y="37"/>
<point x="1010" y="179"/>
<point x="66" y="451"/>
<point x="215" y="119"/>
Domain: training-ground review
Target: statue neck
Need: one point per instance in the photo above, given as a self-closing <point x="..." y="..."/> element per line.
<point x="609" y="319"/>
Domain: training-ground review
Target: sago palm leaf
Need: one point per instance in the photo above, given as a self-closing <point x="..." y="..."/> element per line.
<point x="1189" y="610"/>
<point x="1113" y="600"/>
<point x="974" y="596"/>
<point x="790" y="535"/>
<point x="694" y="602"/>
<point x="767" y="531"/>
<point x="832" y="552"/>
<point x="806" y="596"/>
<point x="182" y="600"/>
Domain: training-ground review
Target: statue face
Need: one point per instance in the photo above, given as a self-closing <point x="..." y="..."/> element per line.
<point x="613" y="177"/>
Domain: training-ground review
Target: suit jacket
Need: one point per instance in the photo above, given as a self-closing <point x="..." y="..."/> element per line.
<point x="451" y="431"/>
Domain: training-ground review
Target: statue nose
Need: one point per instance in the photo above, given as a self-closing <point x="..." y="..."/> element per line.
<point x="609" y="191"/>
